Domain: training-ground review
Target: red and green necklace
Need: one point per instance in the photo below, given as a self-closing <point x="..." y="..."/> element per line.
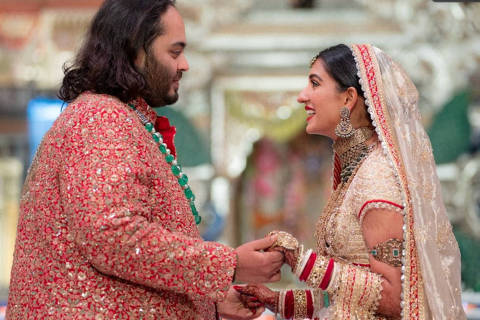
<point x="175" y="167"/>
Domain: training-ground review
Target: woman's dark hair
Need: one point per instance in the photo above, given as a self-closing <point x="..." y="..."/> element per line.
<point x="340" y="65"/>
<point x="106" y="61"/>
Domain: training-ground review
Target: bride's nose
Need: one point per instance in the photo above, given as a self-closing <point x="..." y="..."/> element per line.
<point x="302" y="97"/>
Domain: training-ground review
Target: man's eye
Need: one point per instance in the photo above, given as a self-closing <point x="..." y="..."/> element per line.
<point x="314" y="83"/>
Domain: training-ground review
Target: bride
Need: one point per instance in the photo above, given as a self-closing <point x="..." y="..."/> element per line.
<point x="384" y="245"/>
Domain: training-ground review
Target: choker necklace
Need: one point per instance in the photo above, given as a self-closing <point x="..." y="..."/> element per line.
<point x="352" y="151"/>
<point x="175" y="167"/>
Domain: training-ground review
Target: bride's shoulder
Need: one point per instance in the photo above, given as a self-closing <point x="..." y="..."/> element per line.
<point x="376" y="179"/>
<point x="376" y="167"/>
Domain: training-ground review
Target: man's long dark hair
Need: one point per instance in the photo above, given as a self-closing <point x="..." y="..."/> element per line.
<point x="106" y="61"/>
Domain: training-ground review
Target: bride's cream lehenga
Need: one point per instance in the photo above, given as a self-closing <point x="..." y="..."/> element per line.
<point x="397" y="174"/>
<point x="338" y="232"/>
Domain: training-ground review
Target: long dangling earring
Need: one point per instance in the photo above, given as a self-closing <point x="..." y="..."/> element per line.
<point x="344" y="129"/>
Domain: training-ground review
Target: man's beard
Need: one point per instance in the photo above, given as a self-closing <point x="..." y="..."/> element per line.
<point x="159" y="82"/>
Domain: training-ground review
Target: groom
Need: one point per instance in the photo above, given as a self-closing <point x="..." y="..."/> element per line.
<point x="107" y="220"/>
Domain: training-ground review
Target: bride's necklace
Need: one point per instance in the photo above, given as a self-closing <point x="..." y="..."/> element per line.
<point x="352" y="151"/>
<point x="175" y="167"/>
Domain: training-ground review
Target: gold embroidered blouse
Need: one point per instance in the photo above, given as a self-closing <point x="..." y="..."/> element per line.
<point x="338" y="231"/>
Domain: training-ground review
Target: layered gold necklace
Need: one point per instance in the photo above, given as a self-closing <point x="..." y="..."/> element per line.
<point x="351" y="151"/>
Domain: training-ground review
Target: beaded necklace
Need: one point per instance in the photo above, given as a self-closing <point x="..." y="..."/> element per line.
<point x="175" y="167"/>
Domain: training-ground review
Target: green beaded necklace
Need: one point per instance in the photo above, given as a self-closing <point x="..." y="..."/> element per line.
<point x="176" y="169"/>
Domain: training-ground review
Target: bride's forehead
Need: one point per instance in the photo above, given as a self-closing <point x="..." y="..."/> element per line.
<point x="318" y="69"/>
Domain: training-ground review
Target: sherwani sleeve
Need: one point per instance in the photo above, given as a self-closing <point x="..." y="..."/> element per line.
<point x="106" y="184"/>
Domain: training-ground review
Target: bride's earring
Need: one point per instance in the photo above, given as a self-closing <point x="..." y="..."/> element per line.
<point x="344" y="129"/>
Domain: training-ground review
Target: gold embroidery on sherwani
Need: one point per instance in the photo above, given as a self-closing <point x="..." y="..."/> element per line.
<point x="105" y="231"/>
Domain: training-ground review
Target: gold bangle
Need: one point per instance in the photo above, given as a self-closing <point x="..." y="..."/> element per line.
<point x="300" y="304"/>
<point x="318" y="271"/>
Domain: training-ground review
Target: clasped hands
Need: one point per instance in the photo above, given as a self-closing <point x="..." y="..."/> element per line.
<point x="259" y="262"/>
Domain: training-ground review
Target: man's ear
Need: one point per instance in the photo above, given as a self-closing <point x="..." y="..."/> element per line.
<point x="140" y="59"/>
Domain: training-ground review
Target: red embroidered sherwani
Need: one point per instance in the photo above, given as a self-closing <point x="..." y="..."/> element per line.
<point x="105" y="231"/>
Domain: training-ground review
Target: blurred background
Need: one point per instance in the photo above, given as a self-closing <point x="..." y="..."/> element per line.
<point x="241" y="134"/>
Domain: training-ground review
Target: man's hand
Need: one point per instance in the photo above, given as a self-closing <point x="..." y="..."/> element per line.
<point x="289" y="246"/>
<point x="291" y="256"/>
<point x="232" y="308"/>
<point x="256" y="266"/>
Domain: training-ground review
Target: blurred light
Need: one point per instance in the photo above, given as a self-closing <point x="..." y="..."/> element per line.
<point x="253" y="134"/>
<point x="41" y="113"/>
<point x="220" y="195"/>
<point x="284" y="112"/>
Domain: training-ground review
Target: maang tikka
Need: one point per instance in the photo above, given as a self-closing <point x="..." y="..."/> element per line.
<point x="344" y="129"/>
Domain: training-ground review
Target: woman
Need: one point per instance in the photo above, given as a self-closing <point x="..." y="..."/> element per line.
<point x="385" y="248"/>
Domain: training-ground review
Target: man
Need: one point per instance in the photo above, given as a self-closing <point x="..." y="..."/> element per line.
<point x="107" y="223"/>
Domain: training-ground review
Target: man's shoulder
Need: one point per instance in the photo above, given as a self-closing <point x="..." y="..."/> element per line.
<point x="96" y="100"/>
<point x="94" y="111"/>
<point x="93" y="107"/>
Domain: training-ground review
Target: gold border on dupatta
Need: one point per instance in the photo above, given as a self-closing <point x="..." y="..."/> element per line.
<point x="412" y="282"/>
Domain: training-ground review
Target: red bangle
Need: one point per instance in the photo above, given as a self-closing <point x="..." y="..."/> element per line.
<point x="308" y="268"/>
<point x="289" y="302"/>
<point x="328" y="275"/>
<point x="309" y="304"/>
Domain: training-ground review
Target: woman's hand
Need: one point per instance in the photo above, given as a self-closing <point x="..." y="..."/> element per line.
<point x="254" y="295"/>
<point x="291" y="256"/>
<point x="234" y="308"/>
<point x="288" y="245"/>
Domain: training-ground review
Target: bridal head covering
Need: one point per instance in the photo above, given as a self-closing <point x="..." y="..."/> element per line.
<point x="431" y="258"/>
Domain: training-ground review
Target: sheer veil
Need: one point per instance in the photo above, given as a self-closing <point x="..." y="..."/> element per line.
<point x="431" y="257"/>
